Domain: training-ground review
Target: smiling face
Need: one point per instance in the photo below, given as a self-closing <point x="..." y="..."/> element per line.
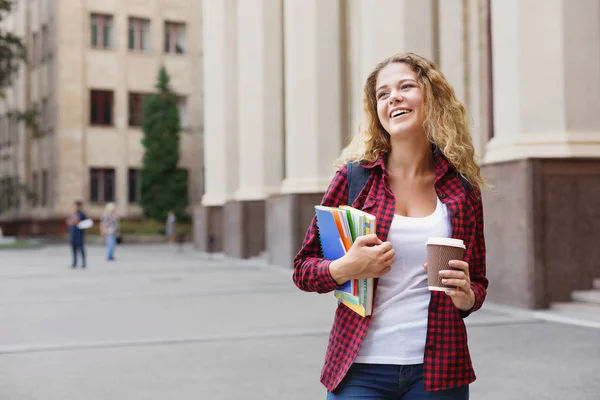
<point x="400" y="100"/>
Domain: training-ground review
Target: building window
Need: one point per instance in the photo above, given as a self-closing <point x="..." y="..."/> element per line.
<point x="34" y="49"/>
<point x="13" y="127"/>
<point x="35" y="189"/>
<point x="102" y="185"/>
<point x="101" y="107"/>
<point x="3" y="195"/>
<point x="44" y="125"/>
<point x="184" y="118"/>
<point x="48" y="115"/>
<point x="139" y="34"/>
<point x="45" y="50"/>
<point x="136" y="108"/>
<point x="9" y="129"/>
<point x="102" y="30"/>
<point x="14" y="192"/>
<point x="44" y="199"/>
<point x="174" y="38"/>
<point x="3" y="130"/>
<point x="3" y="192"/>
<point x="8" y="193"/>
<point x="9" y="137"/>
<point x="50" y="74"/>
<point x="134" y="186"/>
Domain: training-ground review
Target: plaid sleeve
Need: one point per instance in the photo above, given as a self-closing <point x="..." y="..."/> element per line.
<point x="477" y="266"/>
<point x="311" y="270"/>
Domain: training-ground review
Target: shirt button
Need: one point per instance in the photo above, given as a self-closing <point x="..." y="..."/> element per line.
<point x="443" y="196"/>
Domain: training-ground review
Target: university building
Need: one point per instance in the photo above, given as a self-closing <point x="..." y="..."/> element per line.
<point x="90" y="65"/>
<point x="283" y="94"/>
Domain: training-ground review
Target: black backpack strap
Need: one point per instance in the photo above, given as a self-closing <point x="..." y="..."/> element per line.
<point x="466" y="184"/>
<point x="357" y="178"/>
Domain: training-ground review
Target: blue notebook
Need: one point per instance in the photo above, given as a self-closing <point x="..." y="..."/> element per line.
<point x="331" y="243"/>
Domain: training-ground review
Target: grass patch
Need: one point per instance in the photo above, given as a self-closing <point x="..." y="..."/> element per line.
<point x="144" y="227"/>
<point x="19" y="244"/>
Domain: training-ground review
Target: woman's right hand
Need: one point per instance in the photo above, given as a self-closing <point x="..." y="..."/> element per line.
<point x="368" y="257"/>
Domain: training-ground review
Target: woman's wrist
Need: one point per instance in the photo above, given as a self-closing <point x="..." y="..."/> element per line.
<point x="336" y="269"/>
<point x="468" y="306"/>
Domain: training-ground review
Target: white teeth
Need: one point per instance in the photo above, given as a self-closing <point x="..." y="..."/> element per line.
<point x="399" y="112"/>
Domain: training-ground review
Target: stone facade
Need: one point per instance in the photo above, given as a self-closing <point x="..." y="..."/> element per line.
<point x="67" y="67"/>
<point x="277" y="86"/>
<point x="295" y="90"/>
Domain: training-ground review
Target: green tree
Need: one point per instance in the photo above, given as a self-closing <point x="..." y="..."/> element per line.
<point x="163" y="184"/>
<point x="13" y="55"/>
<point x="12" y="51"/>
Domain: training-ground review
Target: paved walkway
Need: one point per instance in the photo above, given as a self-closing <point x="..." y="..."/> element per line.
<point x="163" y="324"/>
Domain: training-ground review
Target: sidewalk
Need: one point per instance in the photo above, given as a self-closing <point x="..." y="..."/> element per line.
<point x="164" y="324"/>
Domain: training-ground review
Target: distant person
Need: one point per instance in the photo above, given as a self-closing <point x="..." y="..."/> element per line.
<point x="77" y="234"/>
<point x="109" y="228"/>
<point x="170" y="226"/>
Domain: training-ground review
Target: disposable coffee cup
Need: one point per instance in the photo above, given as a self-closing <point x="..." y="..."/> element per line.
<point x="440" y="251"/>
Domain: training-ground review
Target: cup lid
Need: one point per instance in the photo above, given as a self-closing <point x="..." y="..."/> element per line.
<point x="442" y="241"/>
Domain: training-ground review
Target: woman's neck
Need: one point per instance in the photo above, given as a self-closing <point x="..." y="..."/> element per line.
<point x="410" y="159"/>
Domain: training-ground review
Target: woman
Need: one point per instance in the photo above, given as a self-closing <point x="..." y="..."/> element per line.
<point x="416" y="143"/>
<point x="110" y="230"/>
<point x="170" y="226"/>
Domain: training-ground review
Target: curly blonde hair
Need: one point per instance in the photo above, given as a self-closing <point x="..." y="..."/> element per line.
<point x="445" y="123"/>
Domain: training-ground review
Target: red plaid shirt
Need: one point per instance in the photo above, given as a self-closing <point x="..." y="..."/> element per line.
<point x="447" y="362"/>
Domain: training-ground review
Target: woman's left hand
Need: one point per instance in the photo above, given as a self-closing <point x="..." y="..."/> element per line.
<point x="462" y="296"/>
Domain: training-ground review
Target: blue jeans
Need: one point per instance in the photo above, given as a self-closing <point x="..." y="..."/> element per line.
<point x="390" y="382"/>
<point x="111" y="242"/>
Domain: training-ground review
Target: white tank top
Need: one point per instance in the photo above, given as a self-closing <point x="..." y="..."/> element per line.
<point x="399" y="323"/>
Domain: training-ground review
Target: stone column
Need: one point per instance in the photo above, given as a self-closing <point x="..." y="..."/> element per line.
<point x="313" y="120"/>
<point x="374" y="37"/>
<point x="463" y="60"/>
<point x="452" y="54"/>
<point x="478" y="77"/>
<point x="70" y="134"/>
<point x="545" y="156"/>
<point x="260" y="111"/>
<point x="220" y="120"/>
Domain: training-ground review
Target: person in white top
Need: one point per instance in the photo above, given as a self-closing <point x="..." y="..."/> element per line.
<point x="417" y="143"/>
<point x="399" y="323"/>
<point x="109" y="227"/>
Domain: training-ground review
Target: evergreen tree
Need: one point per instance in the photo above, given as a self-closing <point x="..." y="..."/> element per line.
<point x="12" y="56"/>
<point x="164" y="186"/>
<point x="12" y="50"/>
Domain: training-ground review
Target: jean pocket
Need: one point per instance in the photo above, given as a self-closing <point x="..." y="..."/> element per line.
<point x="413" y="372"/>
